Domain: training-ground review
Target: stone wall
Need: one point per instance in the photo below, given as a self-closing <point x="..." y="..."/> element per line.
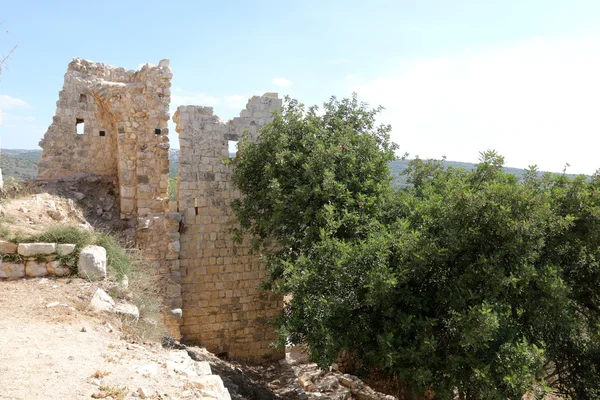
<point x="33" y="259"/>
<point x="209" y="285"/>
<point x="223" y="309"/>
<point x="124" y="115"/>
<point x="158" y="241"/>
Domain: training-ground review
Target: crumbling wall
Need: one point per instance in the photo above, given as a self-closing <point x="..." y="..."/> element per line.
<point x="223" y="309"/>
<point x="124" y="115"/>
<point x="209" y="285"/>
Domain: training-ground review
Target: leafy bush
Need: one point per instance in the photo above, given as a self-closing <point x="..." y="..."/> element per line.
<point x="466" y="283"/>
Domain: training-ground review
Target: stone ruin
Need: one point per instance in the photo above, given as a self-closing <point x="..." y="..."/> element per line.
<point x="112" y="122"/>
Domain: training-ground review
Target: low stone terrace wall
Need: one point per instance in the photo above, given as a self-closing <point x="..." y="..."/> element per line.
<point x="43" y="259"/>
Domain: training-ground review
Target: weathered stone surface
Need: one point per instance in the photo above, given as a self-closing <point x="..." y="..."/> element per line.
<point x="102" y="302"/>
<point x="34" y="268"/>
<point x="11" y="270"/>
<point x="92" y="263"/>
<point x="203" y="368"/>
<point x="205" y="192"/>
<point x="7" y="247"/>
<point x="147" y="369"/>
<point x="128" y="310"/>
<point x="126" y="138"/>
<point x="65" y="249"/>
<point x="144" y="392"/>
<point x="32" y="249"/>
<point x="57" y="268"/>
<point x="210" y="386"/>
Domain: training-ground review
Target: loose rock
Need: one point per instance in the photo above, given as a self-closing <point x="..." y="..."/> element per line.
<point x="92" y="263"/>
<point x="102" y="302"/>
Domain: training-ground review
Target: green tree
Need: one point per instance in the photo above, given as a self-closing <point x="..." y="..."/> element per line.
<point x="468" y="283"/>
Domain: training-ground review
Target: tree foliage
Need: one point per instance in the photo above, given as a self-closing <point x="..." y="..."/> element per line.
<point x="468" y="283"/>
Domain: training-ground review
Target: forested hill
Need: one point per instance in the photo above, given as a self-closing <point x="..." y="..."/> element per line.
<point x="22" y="164"/>
<point x="398" y="166"/>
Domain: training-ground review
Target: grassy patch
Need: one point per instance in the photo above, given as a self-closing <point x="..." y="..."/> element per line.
<point x="100" y="374"/>
<point x="114" y="392"/>
<point x="15" y="258"/>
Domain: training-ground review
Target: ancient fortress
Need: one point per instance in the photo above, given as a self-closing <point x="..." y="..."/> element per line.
<point x="113" y="122"/>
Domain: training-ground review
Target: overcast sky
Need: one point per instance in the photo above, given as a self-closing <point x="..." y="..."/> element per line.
<point x="456" y="77"/>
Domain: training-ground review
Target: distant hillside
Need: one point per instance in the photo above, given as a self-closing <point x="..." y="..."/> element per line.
<point x="398" y="166"/>
<point x="20" y="164"/>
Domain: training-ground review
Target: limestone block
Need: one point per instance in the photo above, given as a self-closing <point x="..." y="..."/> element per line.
<point x="65" y="249"/>
<point x="7" y="247"/>
<point x="32" y="249"/>
<point x="58" y="269"/>
<point x="128" y="310"/>
<point x="102" y="302"/>
<point x="173" y="290"/>
<point x="92" y="263"/>
<point x="210" y="386"/>
<point x="11" y="270"/>
<point x="203" y="368"/>
<point x="34" y="268"/>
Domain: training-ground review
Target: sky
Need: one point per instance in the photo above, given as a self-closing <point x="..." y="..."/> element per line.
<point x="456" y="77"/>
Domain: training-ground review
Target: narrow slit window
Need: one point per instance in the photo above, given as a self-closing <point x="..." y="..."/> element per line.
<point x="83" y="98"/>
<point x="232" y="146"/>
<point x="80" y="126"/>
<point x="102" y="133"/>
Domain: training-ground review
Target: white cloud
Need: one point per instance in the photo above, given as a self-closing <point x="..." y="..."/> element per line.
<point x="283" y="82"/>
<point x="12" y="103"/>
<point x="351" y="77"/>
<point x="236" y="101"/>
<point x="536" y="102"/>
<point x="9" y="117"/>
<point x="196" y="99"/>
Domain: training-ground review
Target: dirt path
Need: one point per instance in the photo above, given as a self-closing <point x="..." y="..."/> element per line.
<point x="52" y="347"/>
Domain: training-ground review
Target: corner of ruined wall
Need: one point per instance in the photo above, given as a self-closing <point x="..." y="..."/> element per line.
<point x="223" y="309"/>
<point x="125" y="115"/>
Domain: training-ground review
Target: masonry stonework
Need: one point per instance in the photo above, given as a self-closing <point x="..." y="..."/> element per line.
<point x="122" y="119"/>
<point x="223" y="308"/>
<point x="209" y="286"/>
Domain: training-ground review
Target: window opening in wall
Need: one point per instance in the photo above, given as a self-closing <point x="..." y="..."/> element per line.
<point x="102" y="133"/>
<point x="83" y="98"/>
<point x="157" y="131"/>
<point x="80" y="126"/>
<point x="233" y="148"/>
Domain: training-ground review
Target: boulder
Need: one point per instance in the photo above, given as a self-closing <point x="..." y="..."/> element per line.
<point x="92" y="263"/>
<point x="32" y="249"/>
<point x="210" y="386"/>
<point x="102" y="302"/>
<point x="65" y="249"/>
<point x="7" y="247"/>
<point x="11" y="270"/>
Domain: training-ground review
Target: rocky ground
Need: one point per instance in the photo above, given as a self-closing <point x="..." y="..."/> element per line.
<point x="53" y="346"/>
<point x="89" y="201"/>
